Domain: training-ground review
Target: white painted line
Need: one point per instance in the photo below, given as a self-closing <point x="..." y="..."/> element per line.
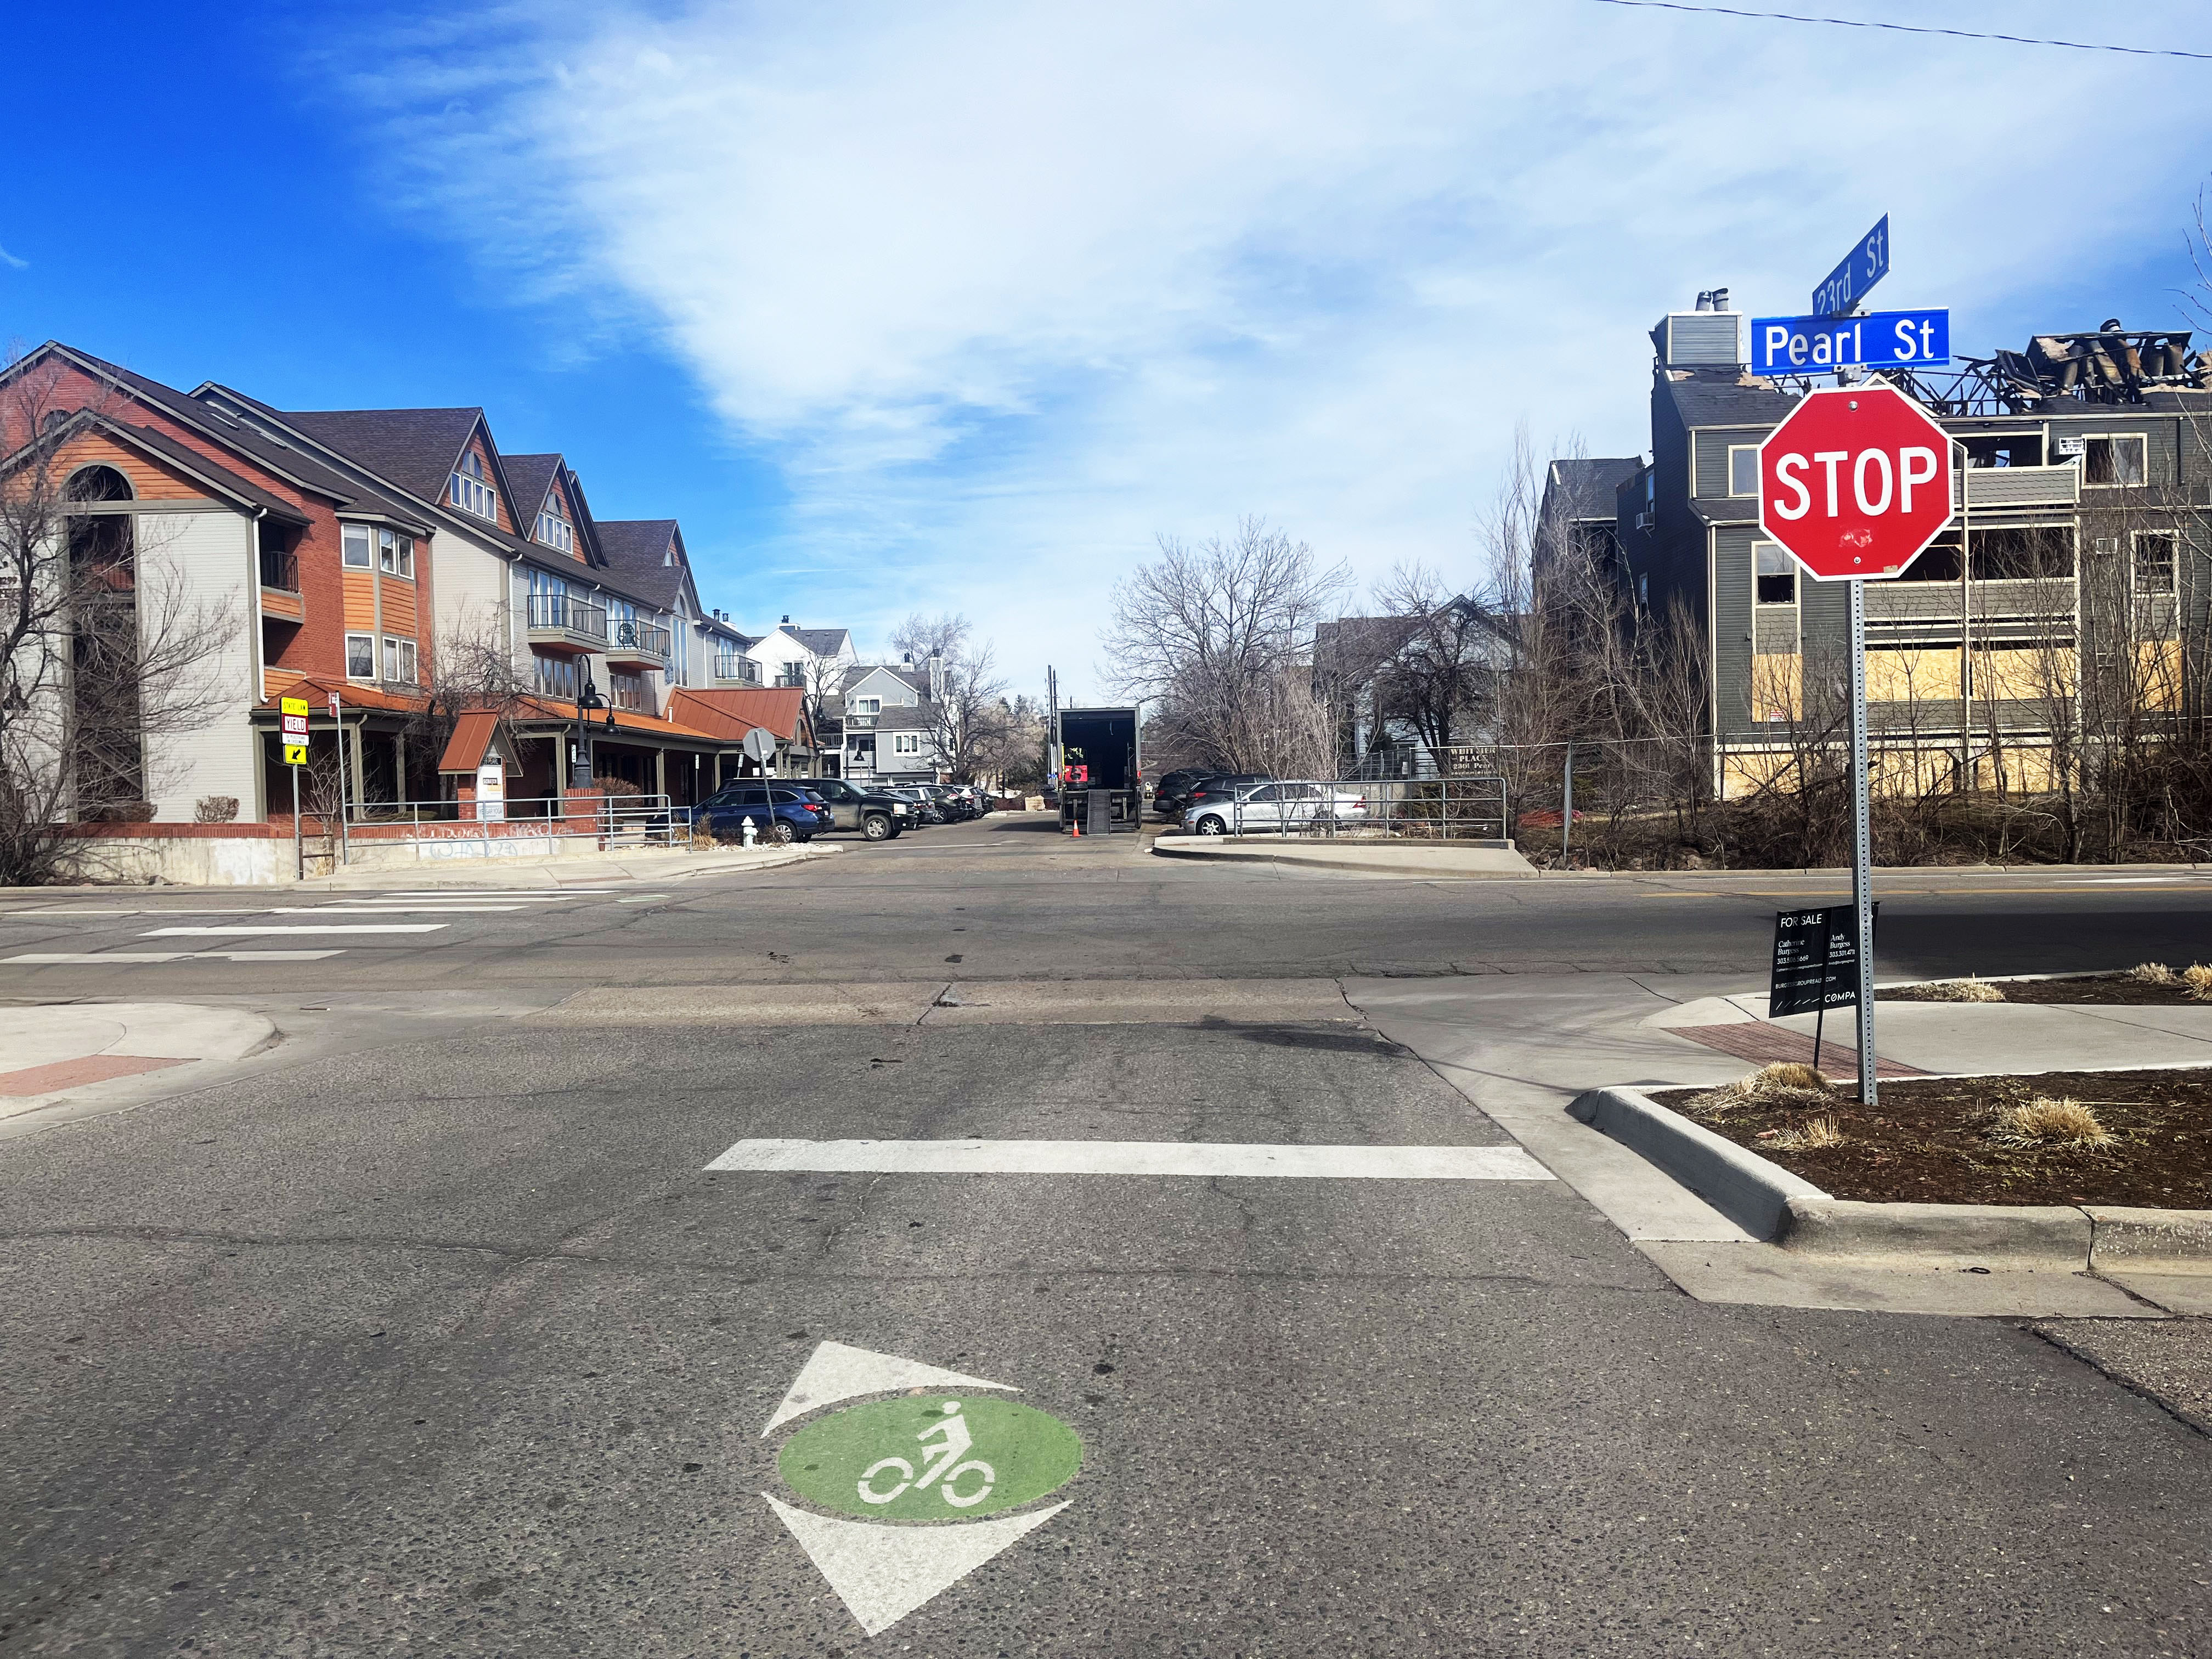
<point x="1134" y="1157"/>
<point x="289" y="928"/>
<point x="392" y="910"/>
<point x="43" y="956"/>
<point x="96" y="957"/>
<point x="503" y="892"/>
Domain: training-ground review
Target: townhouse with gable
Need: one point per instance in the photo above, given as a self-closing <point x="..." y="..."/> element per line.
<point x="345" y="553"/>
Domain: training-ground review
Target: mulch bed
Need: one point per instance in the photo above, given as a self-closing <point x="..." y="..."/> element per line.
<point x="1927" y="1142"/>
<point x="2111" y="989"/>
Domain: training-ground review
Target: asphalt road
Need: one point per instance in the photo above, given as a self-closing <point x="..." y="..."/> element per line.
<point x="432" y="1329"/>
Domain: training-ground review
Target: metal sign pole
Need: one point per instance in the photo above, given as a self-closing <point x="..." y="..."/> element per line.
<point x="345" y="809"/>
<point x="1861" y="848"/>
<point x="299" y="848"/>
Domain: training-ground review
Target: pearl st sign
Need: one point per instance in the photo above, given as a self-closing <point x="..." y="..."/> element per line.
<point x="1880" y="339"/>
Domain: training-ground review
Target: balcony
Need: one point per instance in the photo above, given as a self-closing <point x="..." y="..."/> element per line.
<point x="861" y="722"/>
<point x="730" y="669"/>
<point x="2023" y="486"/>
<point x="565" y="625"/>
<point x="638" y="644"/>
<point x="2004" y="611"/>
<point x="280" y="585"/>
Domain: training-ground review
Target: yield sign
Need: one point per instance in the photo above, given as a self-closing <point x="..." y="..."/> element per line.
<point x="1856" y="482"/>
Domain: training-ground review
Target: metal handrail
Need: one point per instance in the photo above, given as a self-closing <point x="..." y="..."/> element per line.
<point x="568" y="613"/>
<point x="280" y="570"/>
<point x="730" y="667"/>
<point x="642" y="637"/>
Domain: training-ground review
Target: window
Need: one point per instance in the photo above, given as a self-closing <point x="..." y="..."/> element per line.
<point x="399" y="661"/>
<point x="1743" y="469"/>
<point x="626" y="691"/>
<point x="471" y="491"/>
<point x="792" y="674"/>
<point x="2156" y="566"/>
<point x="557" y="677"/>
<point x="554" y="529"/>
<point x="867" y="705"/>
<point x="361" y="656"/>
<point x="2116" y="460"/>
<point x="356" y="555"/>
<point x="395" y="553"/>
<point x="2026" y="553"/>
<point x="1777" y="575"/>
<point x="906" y="743"/>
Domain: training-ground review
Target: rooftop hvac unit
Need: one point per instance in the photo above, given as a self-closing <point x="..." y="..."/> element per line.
<point x="1700" y="339"/>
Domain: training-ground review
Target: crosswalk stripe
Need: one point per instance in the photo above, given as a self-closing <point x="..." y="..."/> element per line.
<point x="1133" y="1158"/>
<point x="292" y="927"/>
<point x="391" y="909"/>
<point x="96" y="957"/>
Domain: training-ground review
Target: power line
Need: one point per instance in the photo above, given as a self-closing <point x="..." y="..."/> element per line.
<point x="1910" y="28"/>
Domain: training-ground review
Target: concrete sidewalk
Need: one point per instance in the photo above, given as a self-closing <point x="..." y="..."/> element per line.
<point x="1980" y="1036"/>
<point x="73" y="1053"/>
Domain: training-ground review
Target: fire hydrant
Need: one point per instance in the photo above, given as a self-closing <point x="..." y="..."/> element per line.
<point x="749" y="832"/>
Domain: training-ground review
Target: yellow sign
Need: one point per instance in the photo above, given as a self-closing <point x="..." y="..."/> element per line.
<point x="294" y="720"/>
<point x="292" y="706"/>
<point x="295" y="754"/>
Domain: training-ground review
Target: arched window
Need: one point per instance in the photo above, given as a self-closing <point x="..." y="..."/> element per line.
<point x="471" y="489"/>
<point x="109" y="768"/>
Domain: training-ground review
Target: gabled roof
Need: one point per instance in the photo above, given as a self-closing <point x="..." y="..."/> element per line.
<point x="303" y="471"/>
<point x="638" y="550"/>
<point x="182" y="457"/>
<point x="531" y="477"/>
<point x="730" y="714"/>
<point x="1583" y="487"/>
<point x="416" y="448"/>
<point x="821" y="641"/>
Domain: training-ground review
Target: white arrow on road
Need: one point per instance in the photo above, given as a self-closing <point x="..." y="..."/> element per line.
<point x="882" y="1573"/>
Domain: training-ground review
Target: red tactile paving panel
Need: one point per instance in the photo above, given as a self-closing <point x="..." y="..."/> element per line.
<point x="75" y="1073"/>
<point x="1756" y="1040"/>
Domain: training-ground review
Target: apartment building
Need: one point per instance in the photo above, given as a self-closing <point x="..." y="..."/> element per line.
<point x="881" y="724"/>
<point x="2077" y="568"/>
<point x="396" y="569"/>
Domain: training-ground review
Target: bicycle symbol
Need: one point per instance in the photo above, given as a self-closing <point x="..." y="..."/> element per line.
<point x="942" y="1465"/>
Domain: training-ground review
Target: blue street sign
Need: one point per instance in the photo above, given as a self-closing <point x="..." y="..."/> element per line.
<point x="1880" y="339"/>
<point x="1862" y="267"/>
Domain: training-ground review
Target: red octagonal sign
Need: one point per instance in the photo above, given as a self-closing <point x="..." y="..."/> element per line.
<point x="1856" y="482"/>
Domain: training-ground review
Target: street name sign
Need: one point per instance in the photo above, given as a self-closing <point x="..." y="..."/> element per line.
<point x="1855" y="482"/>
<point x="292" y="712"/>
<point x="1850" y="282"/>
<point x="1880" y="339"/>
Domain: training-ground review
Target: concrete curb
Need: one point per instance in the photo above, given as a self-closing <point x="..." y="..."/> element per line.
<point x="1772" y="1203"/>
<point x="1741" y="1185"/>
<point x="1498" y="863"/>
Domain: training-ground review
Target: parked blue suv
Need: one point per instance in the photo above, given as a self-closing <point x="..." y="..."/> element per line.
<point x="781" y="813"/>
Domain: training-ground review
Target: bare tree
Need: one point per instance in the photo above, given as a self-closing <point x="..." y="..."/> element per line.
<point x="1221" y="634"/>
<point x="921" y="637"/>
<point x="967" y="709"/>
<point x="105" y="647"/>
<point x="473" y="672"/>
<point x="1441" y="677"/>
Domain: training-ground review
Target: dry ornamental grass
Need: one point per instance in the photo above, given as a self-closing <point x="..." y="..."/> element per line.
<point x="1817" y="1134"/>
<point x="1952" y="990"/>
<point x="2198" y="978"/>
<point x="2043" y="1124"/>
<point x="2154" y="973"/>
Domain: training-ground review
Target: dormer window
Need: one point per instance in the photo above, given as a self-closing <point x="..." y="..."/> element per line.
<point x="471" y="491"/>
<point x="554" y="530"/>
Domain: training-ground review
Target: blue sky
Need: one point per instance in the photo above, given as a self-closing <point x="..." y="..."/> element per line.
<point x="954" y="308"/>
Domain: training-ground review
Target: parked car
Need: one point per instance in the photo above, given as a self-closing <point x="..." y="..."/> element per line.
<point x="1289" y="804"/>
<point x="1171" y="794"/>
<point x="781" y="813"/>
<point x="877" y="816"/>
<point x="927" y="808"/>
<point x="1218" y="788"/>
<point x="959" y="804"/>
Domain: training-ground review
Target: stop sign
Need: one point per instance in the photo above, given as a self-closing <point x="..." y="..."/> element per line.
<point x="1856" y="482"/>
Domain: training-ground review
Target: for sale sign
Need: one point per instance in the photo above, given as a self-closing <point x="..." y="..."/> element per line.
<point x="1856" y="482"/>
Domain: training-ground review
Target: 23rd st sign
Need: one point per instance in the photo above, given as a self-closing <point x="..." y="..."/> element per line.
<point x="1856" y="482"/>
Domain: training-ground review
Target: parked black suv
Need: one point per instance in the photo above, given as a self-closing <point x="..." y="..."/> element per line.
<point x="1221" y="786"/>
<point x="1172" y="792"/>
<point x="877" y="816"/>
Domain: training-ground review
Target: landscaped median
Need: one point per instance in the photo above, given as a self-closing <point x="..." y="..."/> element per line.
<point x="1353" y="854"/>
<point x="2104" y="1172"/>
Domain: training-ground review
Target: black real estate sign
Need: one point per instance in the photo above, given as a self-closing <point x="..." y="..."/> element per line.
<point x="1816" y="961"/>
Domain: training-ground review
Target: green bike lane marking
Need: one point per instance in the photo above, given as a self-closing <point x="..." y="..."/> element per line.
<point x="918" y="1472"/>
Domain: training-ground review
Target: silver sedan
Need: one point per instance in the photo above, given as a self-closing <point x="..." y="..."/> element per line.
<point x="1287" y="806"/>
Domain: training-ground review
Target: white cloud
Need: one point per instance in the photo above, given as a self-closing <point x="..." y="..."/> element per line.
<point x="1004" y="289"/>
